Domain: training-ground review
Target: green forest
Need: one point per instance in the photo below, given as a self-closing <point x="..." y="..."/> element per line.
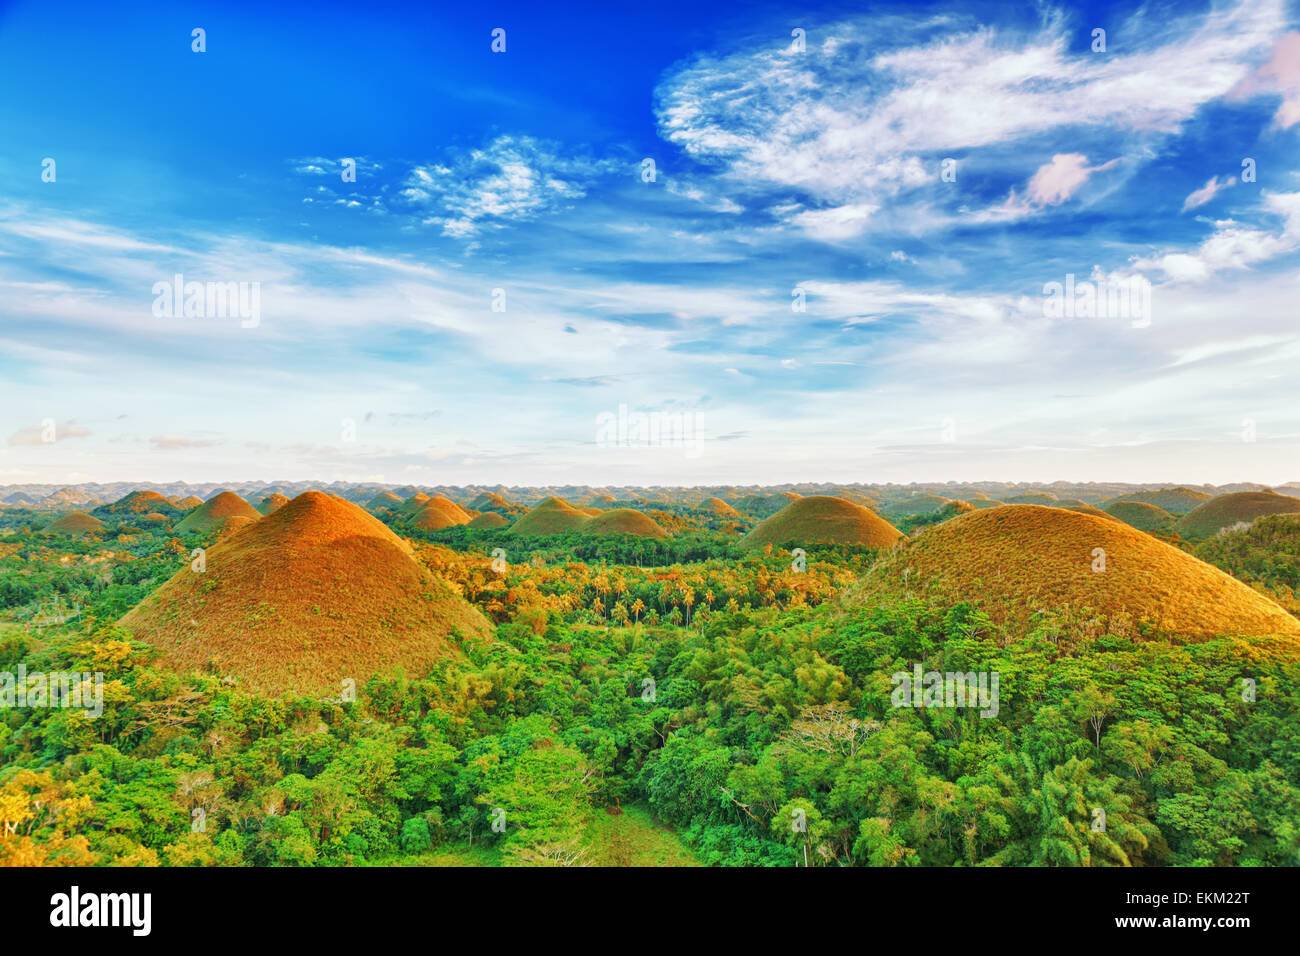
<point x="722" y="710"/>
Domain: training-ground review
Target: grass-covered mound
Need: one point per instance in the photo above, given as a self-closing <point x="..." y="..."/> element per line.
<point x="188" y="502"/>
<point x="624" y="521"/>
<point x="137" y="503"/>
<point x="438" y="513"/>
<point x="1177" y="501"/>
<point x="821" y="519"/>
<point x="488" y="519"/>
<point x="272" y="503"/>
<point x="317" y="592"/>
<point x="491" y="501"/>
<point x="1228" y="511"/>
<point x="1140" y="515"/>
<point x="552" y="516"/>
<point x="74" y="524"/>
<point x="413" y="504"/>
<point x="213" y="513"/>
<point x="385" y="499"/>
<point x="719" y="508"/>
<point x="1021" y="559"/>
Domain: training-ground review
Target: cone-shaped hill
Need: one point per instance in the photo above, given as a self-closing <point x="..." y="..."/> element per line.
<point x="552" y="516"/>
<point x="1018" y="559"/>
<point x="1177" y="501"/>
<point x="74" y="524"/>
<point x="718" y="507"/>
<point x="491" y="501"/>
<point x="438" y="513"/>
<point x="213" y="514"/>
<point x="188" y="502"/>
<point x="414" y="503"/>
<point x="1227" y="511"/>
<point x="624" y="521"/>
<point x="314" y="593"/>
<point x="385" y="499"/>
<point x="271" y="503"/>
<point x="488" y="519"/>
<point x="820" y="519"/>
<point x="1140" y="514"/>
<point x="138" y="503"/>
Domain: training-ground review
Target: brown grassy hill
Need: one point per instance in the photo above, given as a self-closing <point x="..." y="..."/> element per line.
<point x="624" y="521"/>
<point x="717" y="506"/>
<point x="1140" y="515"/>
<point x="214" y="512"/>
<point x="74" y="524"/>
<point x="413" y="504"/>
<point x="1177" y="501"/>
<point x="603" y="501"/>
<point x="488" y="519"/>
<point x="188" y="502"/>
<point x="385" y="499"/>
<point x="438" y="513"/>
<point x="821" y="519"/>
<point x="982" y="503"/>
<point x="271" y="503"/>
<point x="589" y="511"/>
<point x="1019" y="559"/>
<point x="154" y="518"/>
<point x="922" y="504"/>
<point x="552" y="516"/>
<point x="491" y="501"/>
<point x="139" y="503"/>
<point x="1227" y="511"/>
<point x="311" y="594"/>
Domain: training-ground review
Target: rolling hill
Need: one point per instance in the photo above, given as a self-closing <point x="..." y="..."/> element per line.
<point x="624" y="521"/>
<point x="1177" y="501"/>
<point x="552" y="516"/>
<point x="1140" y="514"/>
<point x="74" y="524"/>
<point x="488" y="519"/>
<point x="438" y="513"/>
<point x="821" y="519"/>
<point x="1017" y="560"/>
<point x="1228" y="511"/>
<point x="136" y="503"/>
<point x="213" y="514"/>
<point x="271" y="503"/>
<point x="314" y="593"/>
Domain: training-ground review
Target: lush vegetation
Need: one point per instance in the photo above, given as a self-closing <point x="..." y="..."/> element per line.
<point x="716" y="708"/>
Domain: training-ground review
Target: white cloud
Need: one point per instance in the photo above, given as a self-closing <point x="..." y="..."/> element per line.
<point x="512" y="178"/>
<point x="854" y="127"/>
<point x="1199" y="197"/>
<point x="1234" y="246"/>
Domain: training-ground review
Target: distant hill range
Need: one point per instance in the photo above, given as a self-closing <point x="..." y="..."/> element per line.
<point x="754" y="500"/>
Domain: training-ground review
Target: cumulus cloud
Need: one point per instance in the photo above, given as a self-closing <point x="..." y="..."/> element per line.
<point x="1233" y="245"/>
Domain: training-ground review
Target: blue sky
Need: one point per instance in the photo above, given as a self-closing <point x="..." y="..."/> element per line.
<point x="923" y="352"/>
